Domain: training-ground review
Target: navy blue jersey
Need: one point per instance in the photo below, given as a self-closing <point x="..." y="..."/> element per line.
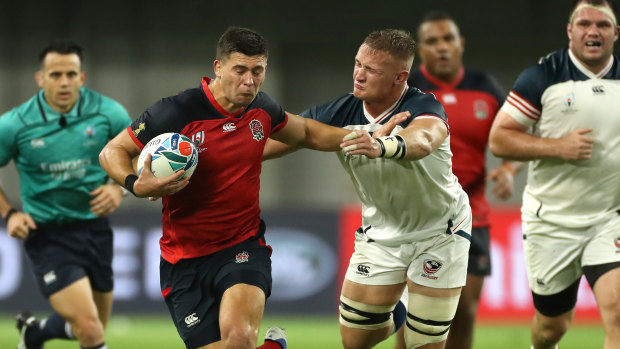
<point x="349" y="110"/>
<point x="220" y="207"/>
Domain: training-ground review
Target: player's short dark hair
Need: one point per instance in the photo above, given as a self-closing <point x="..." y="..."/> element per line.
<point x="241" y="40"/>
<point x="64" y="47"/>
<point x="594" y="3"/>
<point x="434" y="16"/>
<point x="398" y="43"/>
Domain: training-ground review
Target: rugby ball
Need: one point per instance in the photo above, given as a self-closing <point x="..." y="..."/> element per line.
<point x="171" y="152"/>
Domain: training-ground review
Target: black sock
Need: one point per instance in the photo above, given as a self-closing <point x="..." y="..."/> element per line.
<point x="54" y="326"/>
<point x="399" y="315"/>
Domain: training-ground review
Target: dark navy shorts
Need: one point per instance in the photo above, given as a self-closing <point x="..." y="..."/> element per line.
<point x="193" y="288"/>
<point x="479" y="252"/>
<point x="64" y="253"/>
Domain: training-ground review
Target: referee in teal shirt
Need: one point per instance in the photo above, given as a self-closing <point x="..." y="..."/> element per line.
<point x="55" y="139"/>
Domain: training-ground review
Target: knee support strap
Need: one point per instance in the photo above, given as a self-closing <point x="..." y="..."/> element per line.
<point x="429" y="319"/>
<point x="364" y="316"/>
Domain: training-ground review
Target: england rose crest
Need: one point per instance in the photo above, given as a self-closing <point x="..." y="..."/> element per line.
<point x="257" y="130"/>
<point x="242" y="257"/>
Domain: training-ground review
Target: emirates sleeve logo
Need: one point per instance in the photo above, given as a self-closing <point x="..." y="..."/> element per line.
<point x="257" y="130"/>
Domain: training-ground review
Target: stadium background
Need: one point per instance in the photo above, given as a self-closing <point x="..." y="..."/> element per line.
<point x="139" y="51"/>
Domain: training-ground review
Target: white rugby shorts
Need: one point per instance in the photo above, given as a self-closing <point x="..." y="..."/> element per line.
<point x="439" y="261"/>
<point x="554" y="255"/>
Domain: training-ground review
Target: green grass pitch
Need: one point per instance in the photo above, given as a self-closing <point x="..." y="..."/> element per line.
<point x="304" y="332"/>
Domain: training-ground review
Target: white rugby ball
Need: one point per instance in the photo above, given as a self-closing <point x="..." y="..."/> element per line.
<point x="171" y="152"/>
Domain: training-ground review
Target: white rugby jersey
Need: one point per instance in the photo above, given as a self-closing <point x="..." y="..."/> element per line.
<point x="402" y="200"/>
<point x="554" y="98"/>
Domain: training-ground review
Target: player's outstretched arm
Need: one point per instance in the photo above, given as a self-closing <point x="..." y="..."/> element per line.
<point x="419" y="139"/>
<point x="116" y="159"/>
<point x="509" y="140"/>
<point x="301" y="132"/>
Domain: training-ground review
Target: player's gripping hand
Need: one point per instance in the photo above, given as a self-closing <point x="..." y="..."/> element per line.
<point x="576" y="145"/>
<point x="106" y="199"/>
<point x="147" y="185"/>
<point x="20" y="224"/>
<point x="389" y="126"/>
<point x="361" y="143"/>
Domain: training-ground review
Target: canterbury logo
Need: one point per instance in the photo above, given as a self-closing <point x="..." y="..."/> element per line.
<point x="229" y="127"/>
<point x="363" y="269"/>
<point x="598" y="89"/>
<point x="191" y="320"/>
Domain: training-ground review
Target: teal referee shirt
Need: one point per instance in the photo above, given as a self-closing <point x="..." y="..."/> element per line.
<point x="58" y="161"/>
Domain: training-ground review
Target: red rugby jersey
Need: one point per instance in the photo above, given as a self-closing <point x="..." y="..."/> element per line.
<point x="220" y="207"/>
<point x="471" y="102"/>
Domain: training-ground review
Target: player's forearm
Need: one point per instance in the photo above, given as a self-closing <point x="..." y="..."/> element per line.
<point x="520" y="146"/>
<point x="5" y="205"/>
<point x="419" y="144"/>
<point x="423" y="138"/>
<point x="323" y="137"/>
<point x="117" y="162"/>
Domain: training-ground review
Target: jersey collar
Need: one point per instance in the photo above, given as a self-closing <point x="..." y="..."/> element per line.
<point x="587" y="72"/>
<point x="205" y="88"/>
<point x="46" y="110"/>
<point x="388" y="111"/>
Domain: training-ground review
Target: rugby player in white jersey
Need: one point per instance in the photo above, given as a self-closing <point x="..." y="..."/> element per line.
<point x="563" y="115"/>
<point x="416" y="219"/>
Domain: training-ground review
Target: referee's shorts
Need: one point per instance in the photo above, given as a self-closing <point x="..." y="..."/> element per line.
<point x="64" y="253"/>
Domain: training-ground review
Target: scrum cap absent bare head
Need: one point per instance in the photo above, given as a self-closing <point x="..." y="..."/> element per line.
<point x="606" y="10"/>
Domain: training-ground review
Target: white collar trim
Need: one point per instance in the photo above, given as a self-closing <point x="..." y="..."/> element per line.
<point x="587" y="72"/>
<point x="388" y="111"/>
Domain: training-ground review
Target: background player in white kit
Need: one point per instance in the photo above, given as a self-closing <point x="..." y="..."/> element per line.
<point x="563" y="114"/>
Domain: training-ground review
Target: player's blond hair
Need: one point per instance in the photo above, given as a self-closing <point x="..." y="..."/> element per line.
<point x="398" y="43"/>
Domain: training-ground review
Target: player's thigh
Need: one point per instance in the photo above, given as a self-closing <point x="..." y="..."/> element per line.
<point x="75" y="302"/>
<point x="606" y="290"/>
<point x="366" y="313"/>
<point x="103" y="302"/>
<point x="242" y="307"/>
<point x="470" y="293"/>
<point x="372" y="294"/>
